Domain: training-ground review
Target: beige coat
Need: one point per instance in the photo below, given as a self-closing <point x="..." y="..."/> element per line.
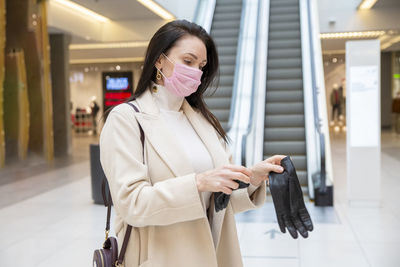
<point x="160" y="198"/>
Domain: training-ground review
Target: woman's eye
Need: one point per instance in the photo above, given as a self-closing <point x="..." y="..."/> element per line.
<point x="188" y="61"/>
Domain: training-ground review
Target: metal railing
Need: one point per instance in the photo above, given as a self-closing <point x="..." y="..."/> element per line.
<point x="321" y="180"/>
<point x="237" y="69"/>
<point x="244" y="137"/>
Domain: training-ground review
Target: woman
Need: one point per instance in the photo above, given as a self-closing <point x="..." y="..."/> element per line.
<point x="169" y="198"/>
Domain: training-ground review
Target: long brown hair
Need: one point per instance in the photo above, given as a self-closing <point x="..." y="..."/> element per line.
<point x="163" y="40"/>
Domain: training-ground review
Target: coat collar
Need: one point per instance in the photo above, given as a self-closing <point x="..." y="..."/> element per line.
<point x="162" y="139"/>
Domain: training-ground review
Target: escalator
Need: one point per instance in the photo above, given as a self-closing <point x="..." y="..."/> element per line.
<point x="284" y="126"/>
<point x="225" y="29"/>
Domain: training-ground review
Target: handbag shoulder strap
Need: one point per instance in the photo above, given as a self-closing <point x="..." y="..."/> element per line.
<point x="109" y="202"/>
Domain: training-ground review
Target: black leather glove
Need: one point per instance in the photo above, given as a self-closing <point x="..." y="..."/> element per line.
<point x="221" y="199"/>
<point x="288" y="200"/>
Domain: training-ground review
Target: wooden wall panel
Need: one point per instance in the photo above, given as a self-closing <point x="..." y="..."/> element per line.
<point x="16" y="107"/>
<point x="2" y="73"/>
<point x="27" y="30"/>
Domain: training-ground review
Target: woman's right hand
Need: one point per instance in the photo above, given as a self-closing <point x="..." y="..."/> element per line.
<point x="221" y="179"/>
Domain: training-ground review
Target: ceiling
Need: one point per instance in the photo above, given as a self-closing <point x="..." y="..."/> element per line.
<point x="386" y="3"/>
<point x="118" y="9"/>
<point x="383" y="16"/>
<point x="339" y="45"/>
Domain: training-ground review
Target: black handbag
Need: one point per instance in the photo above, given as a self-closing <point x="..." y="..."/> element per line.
<point x="107" y="256"/>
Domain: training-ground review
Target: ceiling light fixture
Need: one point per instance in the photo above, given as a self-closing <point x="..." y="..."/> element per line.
<point x="348" y="35"/>
<point x="390" y="42"/>
<point x="80" y="9"/>
<point x="367" y="4"/>
<point x="108" y="45"/>
<point x="156" y="8"/>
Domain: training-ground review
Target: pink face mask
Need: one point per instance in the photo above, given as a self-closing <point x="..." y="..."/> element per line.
<point x="184" y="80"/>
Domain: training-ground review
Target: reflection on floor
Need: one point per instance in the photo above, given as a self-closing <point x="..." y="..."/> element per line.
<point x="61" y="226"/>
<point x="20" y="180"/>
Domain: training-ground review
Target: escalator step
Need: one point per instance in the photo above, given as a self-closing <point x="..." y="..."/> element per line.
<point x="222" y="91"/>
<point x="228" y="2"/>
<point x="284" y="120"/>
<point x="284" y="108"/>
<point x="285" y="43"/>
<point x="284" y="53"/>
<point x="232" y="8"/>
<point x="284" y="134"/>
<point x="227" y="70"/>
<point x="284" y="9"/>
<point x="284" y="63"/>
<point x="284" y="84"/>
<point x="225" y="32"/>
<point x="284" y="96"/>
<point x="227" y="60"/>
<point x="221" y="114"/>
<point x="227" y="50"/>
<point x="226" y="80"/>
<point x="282" y="35"/>
<point x="275" y="3"/>
<point x="285" y="147"/>
<point x="275" y="26"/>
<point x="284" y="18"/>
<point x="218" y="102"/>
<point x="228" y="41"/>
<point x="284" y="73"/>
<point x="225" y="24"/>
<point x="226" y="16"/>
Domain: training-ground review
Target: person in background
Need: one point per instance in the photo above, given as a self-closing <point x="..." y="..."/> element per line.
<point x="94" y="110"/>
<point x="336" y="101"/>
<point x="396" y="111"/>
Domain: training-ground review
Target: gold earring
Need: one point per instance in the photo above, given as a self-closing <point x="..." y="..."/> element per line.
<point x="158" y="76"/>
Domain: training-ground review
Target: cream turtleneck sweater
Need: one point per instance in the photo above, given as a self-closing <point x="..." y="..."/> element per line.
<point x="170" y="106"/>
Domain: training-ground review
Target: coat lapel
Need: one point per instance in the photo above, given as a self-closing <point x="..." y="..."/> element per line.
<point x="218" y="154"/>
<point x="168" y="147"/>
<point x="160" y="136"/>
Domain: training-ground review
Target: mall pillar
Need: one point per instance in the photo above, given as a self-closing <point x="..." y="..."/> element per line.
<point x="26" y="31"/>
<point x="363" y="122"/>
<point x="2" y="72"/>
<point x="59" y="53"/>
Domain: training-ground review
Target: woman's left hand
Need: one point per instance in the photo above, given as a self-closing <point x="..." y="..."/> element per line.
<point x="262" y="169"/>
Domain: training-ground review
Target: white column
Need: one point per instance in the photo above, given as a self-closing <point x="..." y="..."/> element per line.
<point x="363" y="122"/>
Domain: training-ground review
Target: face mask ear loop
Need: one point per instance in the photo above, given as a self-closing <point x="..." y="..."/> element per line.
<point x="168" y="59"/>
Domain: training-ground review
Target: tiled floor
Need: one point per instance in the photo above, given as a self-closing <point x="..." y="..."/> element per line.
<point x="53" y="221"/>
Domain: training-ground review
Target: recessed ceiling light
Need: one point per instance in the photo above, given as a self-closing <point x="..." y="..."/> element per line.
<point x="108" y="45"/>
<point x="156" y="8"/>
<point x="80" y="9"/>
<point x="367" y="4"/>
<point x="348" y="35"/>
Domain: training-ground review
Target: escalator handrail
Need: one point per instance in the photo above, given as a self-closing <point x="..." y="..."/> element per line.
<point x="317" y="119"/>
<point x="243" y="138"/>
<point x="237" y="69"/>
<point x="204" y="13"/>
